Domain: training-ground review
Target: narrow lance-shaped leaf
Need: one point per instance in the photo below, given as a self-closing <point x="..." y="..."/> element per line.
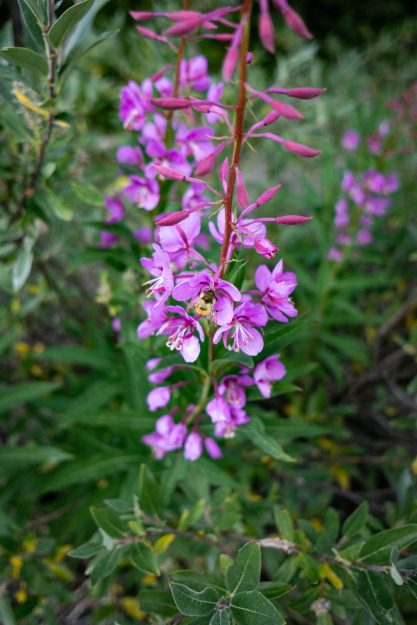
<point x="67" y="22"/>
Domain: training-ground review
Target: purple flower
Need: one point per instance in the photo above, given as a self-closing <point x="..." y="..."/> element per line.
<point x="275" y="288"/>
<point x="134" y="103"/>
<point x="107" y="239"/>
<point x="194" y="73"/>
<point x="232" y="388"/>
<point x="223" y="292"/>
<point x="196" y="141"/>
<point x="193" y="447"/>
<point x="268" y="371"/>
<point x="160" y="376"/>
<point x="335" y="254"/>
<point x="350" y="140"/>
<point x="116" y="324"/>
<point x="159" y="267"/>
<point x="143" y="234"/>
<point x="143" y="191"/>
<point x="158" y="397"/>
<point x="156" y="317"/>
<point x="364" y="237"/>
<point x="215" y="94"/>
<point x="168" y="436"/>
<point x="115" y="209"/>
<point x="181" y="330"/>
<point x="212" y="448"/>
<point x="241" y="329"/>
<point x="129" y="155"/>
<point x="341" y="219"/>
<point x="218" y="409"/>
<point x="152" y="363"/>
<point x="178" y="240"/>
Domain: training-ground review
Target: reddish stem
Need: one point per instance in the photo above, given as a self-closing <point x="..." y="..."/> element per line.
<point x="237" y="135"/>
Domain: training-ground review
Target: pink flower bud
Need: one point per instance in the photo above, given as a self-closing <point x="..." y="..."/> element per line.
<point x="267" y="32"/>
<point x="212" y="448"/>
<point x="242" y="194"/>
<point x="172" y="219"/>
<point x="142" y="15"/>
<point x="271" y="118"/>
<point x="302" y="93"/>
<point x="286" y="110"/>
<point x="267" y="195"/>
<point x="292" y="220"/>
<point x="170" y="104"/>
<point x="230" y="63"/>
<point x="206" y="165"/>
<point x="150" y="34"/>
<point x="301" y="149"/>
<point x="224" y="169"/>
<point x="265" y="247"/>
<point x="184" y="27"/>
<point x="296" y="23"/>
<point x="249" y="58"/>
<point x="169" y="173"/>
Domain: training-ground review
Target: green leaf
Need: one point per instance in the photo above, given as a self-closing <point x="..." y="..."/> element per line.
<point x="157" y="602"/>
<point x="245" y="572"/>
<point x="109" y="521"/>
<point x="87" y="193"/>
<point x="193" y="603"/>
<point x="271" y="590"/>
<point x="252" y="608"/>
<point x="77" y="355"/>
<point x="32" y="28"/>
<point x="373" y="592"/>
<point x="356" y="521"/>
<point x="78" y="54"/>
<point x="221" y="617"/>
<point x="22" y="265"/>
<point x="255" y="432"/>
<point x="191" y="516"/>
<point x="377" y="549"/>
<point x="284" y="523"/>
<point x="149" y="498"/>
<point x="38" y="9"/>
<point x="142" y="557"/>
<point x="67" y="22"/>
<point x="14" y="457"/>
<point x="86" y="550"/>
<point x="24" y="57"/>
<point x="394" y="572"/>
<point x="6" y="612"/>
<point x="104" y="565"/>
<point x="21" y="393"/>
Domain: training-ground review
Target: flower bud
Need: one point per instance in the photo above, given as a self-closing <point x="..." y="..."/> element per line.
<point x="296" y="23"/>
<point x="292" y="220"/>
<point x="170" y="104"/>
<point x="184" y="27"/>
<point x="230" y="63"/>
<point x="300" y="149"/>
<point x="267" y="32"/>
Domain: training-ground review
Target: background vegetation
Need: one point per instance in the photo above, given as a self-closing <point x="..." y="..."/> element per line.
<point x="72" y="395"/>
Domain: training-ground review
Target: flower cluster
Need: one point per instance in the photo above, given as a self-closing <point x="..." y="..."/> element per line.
<point x="365" y="197"/>
<point x="195" y="298"/>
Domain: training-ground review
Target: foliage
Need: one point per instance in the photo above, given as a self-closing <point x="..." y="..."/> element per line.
<point x="91" y="527"/>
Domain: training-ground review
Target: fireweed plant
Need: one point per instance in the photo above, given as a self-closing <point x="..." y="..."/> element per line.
<point x="183" y="128"/>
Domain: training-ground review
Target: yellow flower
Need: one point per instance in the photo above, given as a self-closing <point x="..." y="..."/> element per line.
<point x="16" y="562"/>
<point x="131" y="606"/>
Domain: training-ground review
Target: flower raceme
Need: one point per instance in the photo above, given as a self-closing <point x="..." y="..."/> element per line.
<point x="198" y="298"/>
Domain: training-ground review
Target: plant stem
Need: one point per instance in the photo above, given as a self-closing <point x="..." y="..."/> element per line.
<point x="238" y="135"/>
<point x="51" y="53"/>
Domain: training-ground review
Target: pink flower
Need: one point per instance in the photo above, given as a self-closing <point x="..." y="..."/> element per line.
<point x="178" y="240"/>
<point x="107" y="239"/>
<point x="115" y="209"/>
<point x="181" y="330"/>
<point x="224" y="294"/>
<point x="143" y="191"/>
<point x="134" y="103"/>
<point x="194" y="73"/>
<point x="350" y="140"/>
<point x="232" y="388"/>
<point x="268" y="371"/>
<point x="129" y="155"/>
<point x="193" y="447"/>
<point x="158" y="397"/>
<point x="212" y="448"/>
<point x="159" y="267"/>
<point x="275" y="289"/>
<point x="241" y="329"/>
<point x="168" y="436"/>
<point x="156" y="317"/>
